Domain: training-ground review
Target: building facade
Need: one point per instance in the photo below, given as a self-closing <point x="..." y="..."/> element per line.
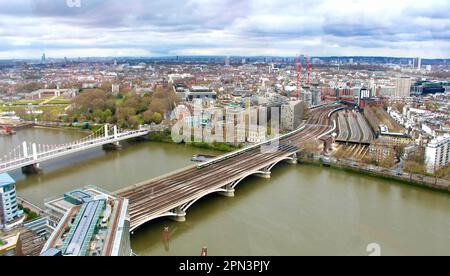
<point x="9" y="210"/>
<point x="437" y="154"/>
<point x="403" y="87"/>
<point x="292" y="115"/>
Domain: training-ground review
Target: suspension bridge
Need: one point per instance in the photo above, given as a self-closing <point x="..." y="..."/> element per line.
<point x="27" y="156"/>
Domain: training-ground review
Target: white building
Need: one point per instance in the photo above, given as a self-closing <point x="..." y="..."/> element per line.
<point x="256" y="134"/>
<point x="403" y="87"/>
<point x="437" y="154"/>
<point x="115" y="89"/>
<point x="387" y="91"/>
<point x="10" y="215"/>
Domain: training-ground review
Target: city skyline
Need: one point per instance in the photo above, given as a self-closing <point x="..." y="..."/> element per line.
<point x="138" y="28"/>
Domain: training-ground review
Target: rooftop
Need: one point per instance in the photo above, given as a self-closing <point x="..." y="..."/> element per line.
<point x="6" y="179"/>
<point x="92" y="228"/>
<point x="8" y="243"/>
<point x="439" y="141"/>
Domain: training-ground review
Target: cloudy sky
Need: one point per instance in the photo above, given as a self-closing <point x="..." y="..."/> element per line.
<point x="100" y="28"/>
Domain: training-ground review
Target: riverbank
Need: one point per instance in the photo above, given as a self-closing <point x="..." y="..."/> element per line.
<point x="441" y="185"/>
<point x="69" y="128"/>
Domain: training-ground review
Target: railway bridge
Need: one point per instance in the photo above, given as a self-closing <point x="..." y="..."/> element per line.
<point x="173" y="194"/>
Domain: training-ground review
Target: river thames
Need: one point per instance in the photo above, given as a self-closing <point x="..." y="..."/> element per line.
<point x="301" y="210"/>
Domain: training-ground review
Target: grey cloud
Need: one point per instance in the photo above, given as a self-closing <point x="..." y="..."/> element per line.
<point x="169" y="26"/>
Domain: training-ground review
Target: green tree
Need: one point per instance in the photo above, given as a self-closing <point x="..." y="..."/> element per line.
<point x="147" y="116"/>
<point x="156" y="118"/>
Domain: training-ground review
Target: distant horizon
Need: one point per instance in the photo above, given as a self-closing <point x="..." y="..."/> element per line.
<point x="48" y="57"/>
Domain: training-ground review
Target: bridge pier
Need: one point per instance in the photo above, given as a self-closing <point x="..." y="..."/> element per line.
<point x="265" y="174"/>
<point x="113" y="146"/>
<point x="31" y="169"/>
<point x="229" y="191"/>
<point x="180" y="215"/>
<point x="293" y="160"/>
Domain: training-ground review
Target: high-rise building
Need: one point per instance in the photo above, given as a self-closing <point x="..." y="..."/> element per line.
<point x="417" y="63"/>
<point x="10" y="215"/>
<point x="43" y="58"/>
<point x="403" y="87"/>
<point x="316" y="96"/>
<point x="227" y="61"/>
<point x="437" y="154"/>
<point x="307" y="97"/>
<point x="292" y="115"/>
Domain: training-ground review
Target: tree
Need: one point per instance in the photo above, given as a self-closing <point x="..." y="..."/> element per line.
<point x="105" y="115"/>
<point x="388" y="162"/>
<point x="156" y="118"/>
<point x="125" y="117"/>
<point x="399" y="151"/>
<point x="89" y="100"/>
<point x="147" y="116"/>
<point x="414" y="167"/>
<point x="97" y="115"/>
<point x="144" y="104"/>
<point x="21" y="112"/>
<point x="49" y="116"/>
<point x="444" y="173"/>
<point x="158" y="105"/>
<point x="29" y="87"/>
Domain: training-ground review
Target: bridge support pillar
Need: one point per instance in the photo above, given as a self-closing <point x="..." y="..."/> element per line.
<point x="229" y="191"/>
<point x="31" y="169"/>
<point x="180" y="215"/>
<point x="294" y="160"/>
<point x="113" y="146"/>
<point x="265" y="174"/>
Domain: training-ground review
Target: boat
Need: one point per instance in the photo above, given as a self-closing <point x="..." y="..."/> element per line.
<point x="6" y="131"/>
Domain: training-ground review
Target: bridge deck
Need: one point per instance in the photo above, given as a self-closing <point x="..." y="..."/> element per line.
<point x="78" y="146"/>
